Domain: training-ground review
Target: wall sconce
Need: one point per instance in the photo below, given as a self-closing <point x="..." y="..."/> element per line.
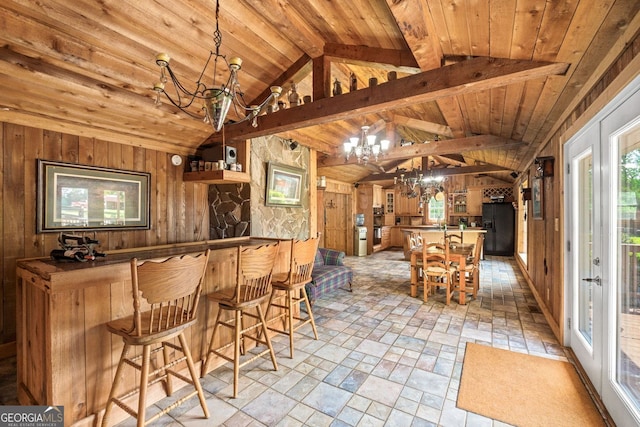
<point x="544" y="166"/>
<point x="322" y="182"/>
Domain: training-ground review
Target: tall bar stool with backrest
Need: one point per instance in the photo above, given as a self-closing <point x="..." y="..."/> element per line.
<point x="293" y="283"/>
<point x="169" y="291"/>
<point x="253" y="287"/>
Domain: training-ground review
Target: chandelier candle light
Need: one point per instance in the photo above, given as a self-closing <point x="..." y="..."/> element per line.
<point x="365" y="147"/>
<point x="217" y="99"/>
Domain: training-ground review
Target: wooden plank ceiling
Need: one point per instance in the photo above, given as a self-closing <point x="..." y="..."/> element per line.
<point x="488" y="80"/>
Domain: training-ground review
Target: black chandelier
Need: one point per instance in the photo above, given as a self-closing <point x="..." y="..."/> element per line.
<point x="217" y="99"/>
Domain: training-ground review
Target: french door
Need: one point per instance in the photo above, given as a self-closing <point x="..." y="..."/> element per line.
<point x="603" y="253"/>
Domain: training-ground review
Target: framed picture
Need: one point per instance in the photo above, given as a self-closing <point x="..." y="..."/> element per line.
<point x="76" y="197"/>
<point x="284" y="185"/>
<point x="536" y="198"/>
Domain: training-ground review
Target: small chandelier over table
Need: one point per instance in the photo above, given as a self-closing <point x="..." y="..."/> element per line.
<point x="365" y="147"/>
<point x="416" y="184"/>
<point x="217" y="99"/>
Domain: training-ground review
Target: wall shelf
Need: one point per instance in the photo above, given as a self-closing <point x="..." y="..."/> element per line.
<point x="217" y="177"/>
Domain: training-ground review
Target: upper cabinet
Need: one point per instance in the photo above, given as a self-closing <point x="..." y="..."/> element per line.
<point x="378" y="196"/>
<point x="238" y="153"/>
<point x="389" y="205"/>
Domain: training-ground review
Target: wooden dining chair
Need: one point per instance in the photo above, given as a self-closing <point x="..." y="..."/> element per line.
<point x="437" y="270"/>
<point x="454" y="238"/>
<point x="292" y="283"/>
<point x="169" y="291"/>
<point x="472" y="268"/>
<point x="253" y="287"/>
<point x="415" y="242"/>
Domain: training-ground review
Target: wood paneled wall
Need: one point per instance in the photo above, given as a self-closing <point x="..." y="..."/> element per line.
<point x="545" y="253"/>
<point x="179" y="211"/>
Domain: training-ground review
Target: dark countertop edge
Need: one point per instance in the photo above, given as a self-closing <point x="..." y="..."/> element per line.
<point x="44" y="266"/>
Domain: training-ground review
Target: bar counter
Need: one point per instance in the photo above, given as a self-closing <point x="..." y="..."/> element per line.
<point x="67" y="357"/>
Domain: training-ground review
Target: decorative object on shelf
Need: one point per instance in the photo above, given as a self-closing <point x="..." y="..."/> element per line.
<point x="373" y="81"/>
<point x="392" y="75"/>
<point x="76" y="247"/>
<point x="366" y="146"/>
<point x="337" y="88"/>
<point x="544" y="166"/>
<point x="217" y="99"/>
<point x="353" y="85"/>
<point x="294" y="97"/>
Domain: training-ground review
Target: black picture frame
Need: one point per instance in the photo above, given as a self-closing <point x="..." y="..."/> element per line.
<point x="72" y="197"/>
<point x="285" y="185"/>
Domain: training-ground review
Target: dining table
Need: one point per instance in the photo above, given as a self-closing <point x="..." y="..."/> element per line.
<point x="458" y="253"/>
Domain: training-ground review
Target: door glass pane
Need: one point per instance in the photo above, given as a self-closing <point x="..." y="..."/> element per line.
<point x="628" y="292"/>
<point x="585" y="248"/>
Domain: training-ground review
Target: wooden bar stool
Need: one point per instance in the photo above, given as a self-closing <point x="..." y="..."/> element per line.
<point x="168" y="291"/>
<point x="253" y="287"/>
<point x="303" y="253"/>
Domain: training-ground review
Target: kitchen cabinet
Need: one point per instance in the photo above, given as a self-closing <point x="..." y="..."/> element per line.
<point x="386" y="237"/>
<point x="389" y="201"/>
<point x="396" y="237"/>
<point x="458" y="204"/>
<point x="474" y="201"/>
<point x="378" y="196"/>
<point x="406" y="206"/>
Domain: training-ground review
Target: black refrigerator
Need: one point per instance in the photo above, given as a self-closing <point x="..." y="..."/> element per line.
<point x="499" y="219"/>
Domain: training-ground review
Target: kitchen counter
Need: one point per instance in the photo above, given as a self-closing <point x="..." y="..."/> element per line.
<point x="66" y="356"/>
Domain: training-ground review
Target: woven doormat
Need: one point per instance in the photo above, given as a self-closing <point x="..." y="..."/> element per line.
<point x="524" y="390"/>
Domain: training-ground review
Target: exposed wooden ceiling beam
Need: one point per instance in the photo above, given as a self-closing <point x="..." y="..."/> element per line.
<point x="416" y="24"/>
<point x="469" y="76"/>
<point x="467" y="170"/>
<point x="430" y="127"/>
<point x="479" y="142"/>
<point x="386" y="59"/>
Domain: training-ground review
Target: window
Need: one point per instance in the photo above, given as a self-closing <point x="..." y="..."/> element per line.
<point x="436" y="210"/>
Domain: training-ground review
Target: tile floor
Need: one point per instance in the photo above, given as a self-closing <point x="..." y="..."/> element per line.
<point x="383" y="358"/>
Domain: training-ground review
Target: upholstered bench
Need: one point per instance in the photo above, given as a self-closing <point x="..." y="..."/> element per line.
<point x="329" y="273"/>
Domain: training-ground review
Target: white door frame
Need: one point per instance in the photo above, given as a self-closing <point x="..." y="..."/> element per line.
<point x="616" y="405"/>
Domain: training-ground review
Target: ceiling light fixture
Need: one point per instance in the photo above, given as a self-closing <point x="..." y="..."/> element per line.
<point x="217" y="99"/>
<point x="366" y="146"/>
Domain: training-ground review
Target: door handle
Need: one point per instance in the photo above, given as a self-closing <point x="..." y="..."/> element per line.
<point x="594" y="279"/>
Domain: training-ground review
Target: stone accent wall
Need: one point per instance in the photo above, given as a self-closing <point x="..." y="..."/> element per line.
<point x="239" y="209"/>
<point x="275" y="221"/>
<point x="230" y="210"/>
